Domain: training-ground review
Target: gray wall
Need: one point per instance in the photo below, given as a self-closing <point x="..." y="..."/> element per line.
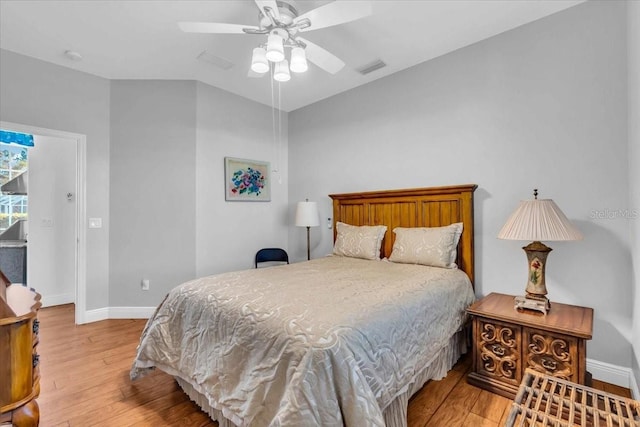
<point x="542" y="106"/>
<point x="169" y="218"/>
<point x="37" y="93"/>
<point x="195" y="126"/>
<point x="633" y="49"/>
<point x="153" y="146"/>
<point x="229" y="233"/>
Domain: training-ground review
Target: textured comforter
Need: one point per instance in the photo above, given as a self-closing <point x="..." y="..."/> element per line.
<point x="328" y="342"/>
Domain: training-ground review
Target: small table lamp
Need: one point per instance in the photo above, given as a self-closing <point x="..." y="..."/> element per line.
<point x="307" y="216"/>
<point x="537" y="220"/>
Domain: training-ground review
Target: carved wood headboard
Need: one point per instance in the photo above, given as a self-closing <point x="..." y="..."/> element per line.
<point x="415" y="207"/>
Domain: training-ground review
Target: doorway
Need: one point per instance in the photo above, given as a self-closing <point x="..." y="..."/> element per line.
<point x="75" y="205"/>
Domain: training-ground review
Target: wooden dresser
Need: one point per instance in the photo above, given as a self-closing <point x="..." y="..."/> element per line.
<point x="19" y="373"/>
<point x="507" y="341"/>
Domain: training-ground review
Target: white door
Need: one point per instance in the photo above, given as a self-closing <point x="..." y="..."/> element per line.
<point x="51" y="241"/>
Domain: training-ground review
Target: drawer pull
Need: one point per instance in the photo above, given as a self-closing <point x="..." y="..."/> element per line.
<point x="36" y="359"/>
<point x="36" y="326"/>
<point x="549" y="364"/>
<point x="498" y="350"/>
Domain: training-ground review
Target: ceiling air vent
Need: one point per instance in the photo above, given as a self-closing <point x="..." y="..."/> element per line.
<point x="371" y="67"/>
<point x="215" y="60"/>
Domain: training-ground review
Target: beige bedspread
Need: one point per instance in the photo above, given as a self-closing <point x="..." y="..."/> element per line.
<point x="328" y="342"/>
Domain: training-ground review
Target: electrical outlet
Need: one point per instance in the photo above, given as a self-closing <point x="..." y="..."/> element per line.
<point x="145" y="284"/>
<point x="329" y="224"/>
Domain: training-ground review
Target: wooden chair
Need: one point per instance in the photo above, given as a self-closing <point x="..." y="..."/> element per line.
<point x="543" y="400"/>
<point x="271" y="255"/>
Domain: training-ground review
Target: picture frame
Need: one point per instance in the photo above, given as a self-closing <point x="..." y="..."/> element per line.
<point x="247" y="180"/>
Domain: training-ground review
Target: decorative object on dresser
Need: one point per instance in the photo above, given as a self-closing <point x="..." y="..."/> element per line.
<point x="19" y="360"/>
<point x="537" y="220"/>
<point x="307" y="216"/>
<point x="506" y="342"/>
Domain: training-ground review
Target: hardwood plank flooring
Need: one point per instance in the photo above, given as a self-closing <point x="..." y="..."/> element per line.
<point x="85" y="382"/>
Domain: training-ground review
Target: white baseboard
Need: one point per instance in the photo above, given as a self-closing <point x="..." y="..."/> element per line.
<point x="51" y="300"/>
<point x="118" y="313"/>
<point x="131" y="312"/>
<point x="612" y="374"/>
<point x="635" y="391"/>
<point x="96" y="315"/>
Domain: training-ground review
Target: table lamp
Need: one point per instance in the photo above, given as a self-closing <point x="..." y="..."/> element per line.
<point x="537" y="220"/>
<point x="307" y="216"/>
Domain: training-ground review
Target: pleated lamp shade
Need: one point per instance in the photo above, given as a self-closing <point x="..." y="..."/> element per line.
<point x="538" y="220"/>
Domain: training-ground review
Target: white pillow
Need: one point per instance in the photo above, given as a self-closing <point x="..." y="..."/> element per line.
<point x="359" y="241"/>
<point x="433" y="246"/>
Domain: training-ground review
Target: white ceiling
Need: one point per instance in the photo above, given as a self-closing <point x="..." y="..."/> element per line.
<point x="141" y="40"/>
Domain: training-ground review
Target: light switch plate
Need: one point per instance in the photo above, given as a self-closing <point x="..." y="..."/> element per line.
<point x="95" y="222"/>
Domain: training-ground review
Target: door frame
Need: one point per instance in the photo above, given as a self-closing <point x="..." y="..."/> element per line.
<point x="81" y="207"/>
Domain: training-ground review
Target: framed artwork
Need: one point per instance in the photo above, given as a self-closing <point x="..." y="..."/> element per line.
<point x="246" y="180"/>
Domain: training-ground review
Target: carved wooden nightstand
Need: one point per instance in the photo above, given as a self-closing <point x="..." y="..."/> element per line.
<point x="506" y="341"/>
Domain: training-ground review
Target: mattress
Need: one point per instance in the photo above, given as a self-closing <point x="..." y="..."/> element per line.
<point x="333" y="341"/>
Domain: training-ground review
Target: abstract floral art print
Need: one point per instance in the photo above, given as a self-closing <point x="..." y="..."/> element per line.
<point x="246" y="180"/>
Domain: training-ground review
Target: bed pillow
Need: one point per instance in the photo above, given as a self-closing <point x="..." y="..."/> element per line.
<point x="432" y="246"/>
<point x="359" y="241"/>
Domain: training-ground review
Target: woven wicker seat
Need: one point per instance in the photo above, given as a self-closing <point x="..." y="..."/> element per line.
<point x="548" y="401"/>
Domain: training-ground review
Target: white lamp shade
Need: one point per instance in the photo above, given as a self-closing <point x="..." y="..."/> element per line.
<point x="307" y="214"/>
<point x="539" y="220"/>
<point x="275" y="48"/>
<point x="259" y="63"/>
<point x="281" y="73"/>
<point x="298" y="60"/>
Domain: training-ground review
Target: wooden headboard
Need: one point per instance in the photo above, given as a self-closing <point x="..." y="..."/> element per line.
<point x="415" y="207"/>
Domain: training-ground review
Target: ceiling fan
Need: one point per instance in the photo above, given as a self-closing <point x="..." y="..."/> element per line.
<point x="281" y="22"/>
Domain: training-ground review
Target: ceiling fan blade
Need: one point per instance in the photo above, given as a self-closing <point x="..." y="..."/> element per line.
<point x="321" y="57"/>
<point x="335" y="13"/>
<point x="270" y="4"/>
<point x="214" y="27"/>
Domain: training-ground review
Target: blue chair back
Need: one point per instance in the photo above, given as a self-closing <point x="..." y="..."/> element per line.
<point x="271" y="255"/>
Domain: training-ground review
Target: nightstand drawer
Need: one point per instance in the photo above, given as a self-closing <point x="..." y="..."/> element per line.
<point x="551" y="354"/>
<point x="498" y="351"/>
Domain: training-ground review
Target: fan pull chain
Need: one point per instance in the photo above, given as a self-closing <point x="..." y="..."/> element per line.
<point x="279" y="154"/>
<point x="273" y="116"/>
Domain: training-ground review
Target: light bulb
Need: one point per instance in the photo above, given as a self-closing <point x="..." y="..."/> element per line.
<point x="298" y="60"/>
<point x="281" y="72"/>
<point x="275" y="48"/>
<point x="259" y="62"/>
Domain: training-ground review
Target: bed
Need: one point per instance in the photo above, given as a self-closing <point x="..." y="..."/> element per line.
<point x="340" y="340"/>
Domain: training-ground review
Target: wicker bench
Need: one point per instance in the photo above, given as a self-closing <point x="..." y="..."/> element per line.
<point x="548" y="401"/>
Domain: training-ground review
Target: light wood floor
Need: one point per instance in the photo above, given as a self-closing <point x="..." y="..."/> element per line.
<point x="85" y="382"/>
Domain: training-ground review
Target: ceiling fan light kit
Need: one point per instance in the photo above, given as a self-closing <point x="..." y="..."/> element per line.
<point x="259" y="62"/>
<point x="279" y="20"/>
<point x="281" y="73"/>
<point x="275" y="47"/>
<point x="298" y="60"/>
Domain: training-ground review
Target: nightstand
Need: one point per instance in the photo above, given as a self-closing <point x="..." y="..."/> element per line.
<point x="507" y="341"/>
